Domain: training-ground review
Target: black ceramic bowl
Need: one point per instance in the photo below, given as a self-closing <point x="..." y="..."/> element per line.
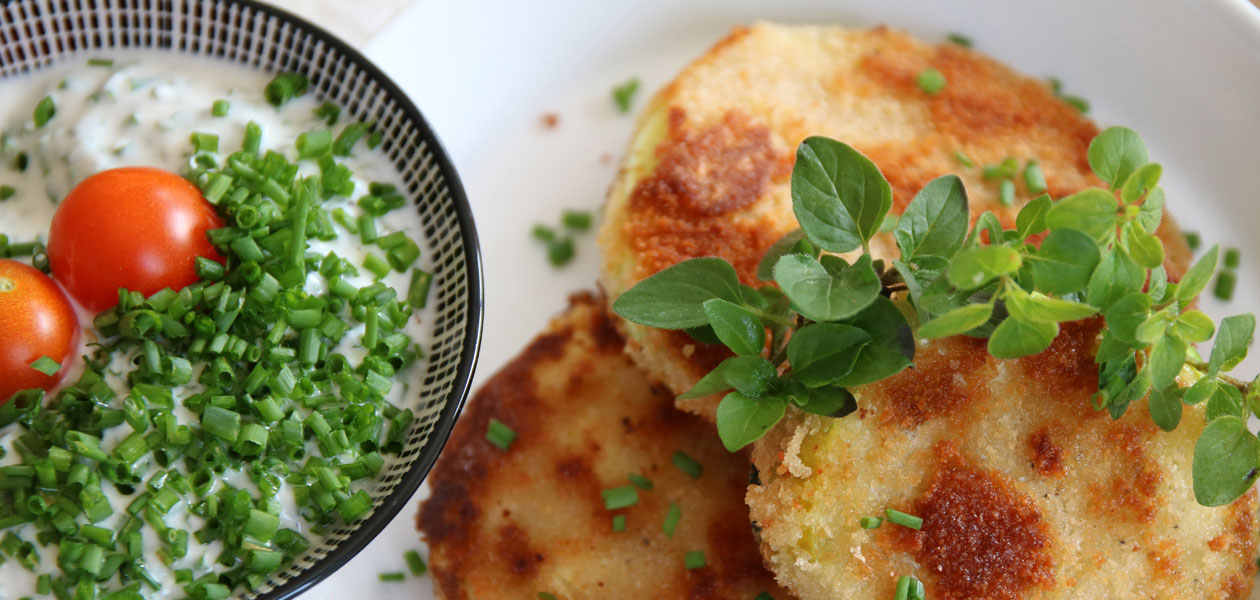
<point x="38" y="33"/>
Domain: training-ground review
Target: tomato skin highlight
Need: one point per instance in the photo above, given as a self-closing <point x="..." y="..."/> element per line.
<point x="36" y="319"/>
<point x="138" y="228"/>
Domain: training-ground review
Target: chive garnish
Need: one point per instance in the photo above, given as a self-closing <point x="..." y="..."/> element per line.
<point x="546" y="596"/>
<point x="1232" y="256"/>
<point x="872" y="522"/>
<point x="903" y="519"/>
<point x="392" y="577"/>
<point x="623" y="95"/>
<point x="560" y="252"/>
<point x="1193" y="240"/>
<point x="910" y="588"/>
<point x="285" y="87"/>
<point x="6" y="192"/>
<point x="620" y="497"/>
<point x="694" y="560"/>
<point x="543" y="233"/>
<point x="619" y="523"/>
<point x="415" y="564"/>
<point x="328" y="112"/>
<point x="46" y="366"/>
<point x="687" y="464"/>
<point x="44" y="111"/>
<point x="931" y="81"/>
<point x="963" y="159"/>
<point x="220" y="108"/>
<point x="100" y="62"/>
<point x="672" y="517"/>
<point x="577" y="220"/>
<point x="641" y="482"/>
<point x="1034" y="178"/>
<point x="960" y="39"/>
<point x="1224" y="288"/>
<point x="499" y="434"/>
<point x="1006" y="193"/>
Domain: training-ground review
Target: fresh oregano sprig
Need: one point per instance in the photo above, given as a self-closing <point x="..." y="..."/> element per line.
<point x="822" y="323"/>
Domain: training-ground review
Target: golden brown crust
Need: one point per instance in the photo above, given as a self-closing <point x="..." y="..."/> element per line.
<point x="532" y="519"/>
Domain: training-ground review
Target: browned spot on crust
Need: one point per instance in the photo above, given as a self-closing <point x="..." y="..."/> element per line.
<point x="514" y="549"/>
<point x="947" y="375"/>
<point x="1067" y="367"/>
<point x="1242" y="546"/>
<point x="1165" y="559"/>
<point x="704" y="357"/>
<point x="702" y="174"/>
<point x="1132" y="496"/>
<point x="981" y="537"/>
<point x="1047" y="453"/>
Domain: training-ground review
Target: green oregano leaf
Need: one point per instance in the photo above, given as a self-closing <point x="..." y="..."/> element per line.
<point x="1126" y="314"/>
<point x="891" y="348"/>
<point x="1167" y="358"/>
<point x="1202" y="389"/>
<point x="1225" y="460"/>
<point x="1115" y="154"/>
<point x="1115" y="277"/>
<point x="1197" y="277"/>
<point x="1193" y="327"/>
<point x="1014" y="338"/>
<point x="1065" y="261"/>
<point x="1151" y="211"/>
<point x="789" y="243"/>
<point x="822" y="353"/>
<point x="1031" y="219"/>
<point x="1037" y="307"/>
<point x="935" y="222"/>
<point x="1141" y="182"/>
<point x="1091" y="211"/>
<point x="957" y="321"/>
<point x="1165" y="407"/>
<point x="823" y="296"/>
<point x="987" y="222"/>
<point x="1145" y="249"/>
<point x="739" y="328"/>
<point x="828" y="401"/>
<point x="751" y="375"/>
<point x="1226" y="401"/>
<point x="839" y="196"/>
<point x="674" y="298"/>
<point x="974" y="267"/>
<point x="1233" y="338"/>
<point x="742" y="420"/>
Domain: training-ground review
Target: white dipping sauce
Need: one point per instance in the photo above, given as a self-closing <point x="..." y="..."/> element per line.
<point x="141" y="111"/>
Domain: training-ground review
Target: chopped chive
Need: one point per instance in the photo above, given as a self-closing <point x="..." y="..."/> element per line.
<point x="392" y="577"/>
<point x="418" y="291"/>
<point x="623" y="95"/>
<point x="959" y="39"/>
<point x="560" y="252"/>
<point x="543" y="233"/>
<point x="620" y="497"/>
<point x="963" y="159"/>
<point x="903" y="519"/>
<point x="577" y="220"/>
<point x="285" y="87"/>
<point x="44" y="111"/>
<point x="205" y="142"/>
<point x="374" y="139"/>
<point x="1034" y="178"/>
<point x="1006" y="193"/>
<point x="687" y="464"/>
<point x="220" y="108"/>
<point x="910" y="588"/>
<point x="315" y="143"/>
<point x="1232" y="256"/>
<point x="930" y="81"/>
<point x="499" y="434"/>
<point x="415" y="564"/>
<point x="619" y="523"/>
<point x="764" y="596"/>
<point x="376" y="265"/>
<point x="872" y="522"/>
<point x="1193" y="240"/>
<point x="694" y="560"/>
<point x="672" y="517"/>
<point x="1077" y="102"/>
<point x="100" y="62"/>
<point x="46" y="366"/>
<point x="641" y="482"/>
<point x="1224" y="288"/>
<point x="328" y="112"/>
<point x="546" y="596"/>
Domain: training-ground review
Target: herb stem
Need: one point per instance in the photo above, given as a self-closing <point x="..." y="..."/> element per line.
<point x="1202" y="368"/>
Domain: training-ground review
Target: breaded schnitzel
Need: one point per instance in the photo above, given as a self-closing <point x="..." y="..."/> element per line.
<point x="510" y="524"/>
<point x="707" y="172"/>
<point x="1024" y="489"/>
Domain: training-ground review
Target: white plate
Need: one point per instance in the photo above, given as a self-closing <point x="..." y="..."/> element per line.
<point x="1185" y="74"/>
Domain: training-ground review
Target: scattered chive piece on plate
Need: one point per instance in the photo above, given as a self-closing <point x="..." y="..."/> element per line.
<point x="44" y="111"/>
<point x="903" y="519"/>
<point x="930" y="81"/>
<point x="46" y="366"/>
<point x="577" y="220"/>
<point x="764" y="596"/>
<point x="1232" y="256"/>
<point x="415" y="564"/>
<point x="1034" y="177"/>
<point x="543" y="233"/>
<point x="393" y="577"/>
<point x="560" y="252"/>
<point x="620" y="497"/>
<point x="641" y="482"/>
<point x="1077" y="102"/>
<point x="963" y="159"/>
<point x="1193" y="240"/>
<point x="960" y="39"/>
<point x="1006" y="193"/>
<point x="220" y="108"/>
<point x="694" y="560"/>
<point x="672" y="517"/>
<point x="687" y="464"/>
<point x="623" y="95"/>
<point x="1224" y="289"/>
<point x="100" y="62"/>
<point x="619" y="523"/>
<point x="546" y="596"/>
<point x="872" y="522"/>
<point x="910" y="588"/>
<point x="499" y="434"/>
<point x="328" y="113"/>
<point x="6" y="192"/>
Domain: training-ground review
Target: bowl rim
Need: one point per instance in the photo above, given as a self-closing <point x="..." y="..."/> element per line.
<point x="368" y="529"/>
<point x="400" y="497"/>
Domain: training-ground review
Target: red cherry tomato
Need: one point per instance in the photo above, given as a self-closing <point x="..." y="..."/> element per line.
<point x="36" y="320"/>
<point x="134" y="227"/>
